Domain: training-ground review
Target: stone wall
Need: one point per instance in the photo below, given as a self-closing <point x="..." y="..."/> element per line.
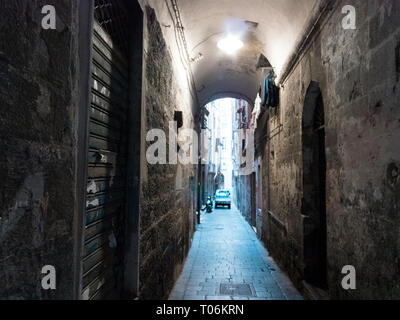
<point x="39" y="96"/>
<point x="167" y="200"/>
<point x="242" y="198"/>
<point x="38" y="99"/>
<point x="358" y="73"/>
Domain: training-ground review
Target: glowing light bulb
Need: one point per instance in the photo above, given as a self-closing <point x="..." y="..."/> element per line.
<point x="230" y="44"/>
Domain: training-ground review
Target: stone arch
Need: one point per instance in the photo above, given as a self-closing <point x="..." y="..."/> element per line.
<point x="227" y="94"/>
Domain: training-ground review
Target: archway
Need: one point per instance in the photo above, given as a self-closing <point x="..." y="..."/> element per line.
<point x="220" y="95"/>
<point x="314" y="188"/>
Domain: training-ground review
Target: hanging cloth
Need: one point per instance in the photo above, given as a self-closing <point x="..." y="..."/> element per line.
<point x="265" y="95"/>
<point x="257" y="110"/>
<point x="270" y="92"/>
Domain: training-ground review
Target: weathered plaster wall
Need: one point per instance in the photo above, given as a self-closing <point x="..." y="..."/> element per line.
<point x="167" y="201"/>
<point x="242" y="187"/>
<point x="38" y="83"/>
<point x="358" y="73"/>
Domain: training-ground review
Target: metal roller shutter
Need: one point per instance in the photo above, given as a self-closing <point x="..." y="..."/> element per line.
<point x="102" y="275"/>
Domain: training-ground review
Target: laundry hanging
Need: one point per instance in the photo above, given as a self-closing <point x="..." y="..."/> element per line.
<point x="270" y="92"/>
<point x="256" y="111"/>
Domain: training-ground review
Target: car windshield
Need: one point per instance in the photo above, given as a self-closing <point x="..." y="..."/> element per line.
<point x="222" y="193"/>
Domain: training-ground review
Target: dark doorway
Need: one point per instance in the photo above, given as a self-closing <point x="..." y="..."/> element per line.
<point x="314" y="188"/>
<point x="253" y="199"/>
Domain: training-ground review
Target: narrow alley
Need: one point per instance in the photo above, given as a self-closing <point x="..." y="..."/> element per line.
<point x="227" y="262"/>
<point x="200" y="150"/>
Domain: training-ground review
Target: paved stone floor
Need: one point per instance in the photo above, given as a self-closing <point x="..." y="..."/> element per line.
<point x="228" y="262"/>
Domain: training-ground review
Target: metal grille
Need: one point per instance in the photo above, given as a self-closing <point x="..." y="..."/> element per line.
<point x="113" y="18"/>
<point x="102" y="260"/>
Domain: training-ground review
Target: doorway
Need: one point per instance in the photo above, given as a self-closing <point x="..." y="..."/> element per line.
<point x="314" y="188"/>
<point x="108" y="258"/>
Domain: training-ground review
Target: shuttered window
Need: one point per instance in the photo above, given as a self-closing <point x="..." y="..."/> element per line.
<point x="106" y="186"/>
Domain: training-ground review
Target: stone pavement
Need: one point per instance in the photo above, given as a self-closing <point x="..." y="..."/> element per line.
<point x="228" y="262"/>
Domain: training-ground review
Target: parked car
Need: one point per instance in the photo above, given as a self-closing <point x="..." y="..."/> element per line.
<point x="223" y="198"/>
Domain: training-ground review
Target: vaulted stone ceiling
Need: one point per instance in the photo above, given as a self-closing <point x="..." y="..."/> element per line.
<point x="268" y="27"/>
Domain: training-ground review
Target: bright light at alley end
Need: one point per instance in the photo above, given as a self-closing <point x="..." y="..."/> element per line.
<point x="230" y="44"/>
